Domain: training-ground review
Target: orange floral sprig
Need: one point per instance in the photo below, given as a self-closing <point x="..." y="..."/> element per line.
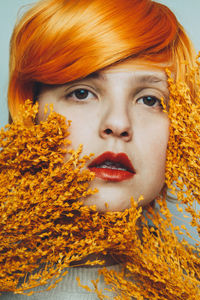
<point x="45" y="228"/>
<point x="159" y="266"/>
<point x="183" y="155"/>
<point x="163" y="267"/>
<point x="34" y="187"/>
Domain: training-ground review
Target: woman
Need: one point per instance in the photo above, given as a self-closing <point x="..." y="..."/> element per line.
<point x="103" y="66"/>
<point x="73" y="39"/>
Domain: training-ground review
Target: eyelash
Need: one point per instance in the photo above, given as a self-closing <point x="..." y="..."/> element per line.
<point x="86" y="93"/>
<point x="156" y="101"/>
<point x="73" y="94"/>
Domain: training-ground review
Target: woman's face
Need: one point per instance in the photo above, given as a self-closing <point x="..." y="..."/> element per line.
<point x="117" y="115"/>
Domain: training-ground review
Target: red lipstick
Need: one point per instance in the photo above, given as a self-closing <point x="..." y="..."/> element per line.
<point x="111" y="166"/>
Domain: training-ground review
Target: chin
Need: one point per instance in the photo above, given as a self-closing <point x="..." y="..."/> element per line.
<point x="114" y="197"/>
<point x="112" y="203"/>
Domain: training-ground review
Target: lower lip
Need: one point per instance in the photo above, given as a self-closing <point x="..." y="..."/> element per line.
<point x="111" y="174"/>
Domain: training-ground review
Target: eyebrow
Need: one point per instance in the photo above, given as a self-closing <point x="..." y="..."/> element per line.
<point x="149" y="78"/>
<point x="94" y="75"/>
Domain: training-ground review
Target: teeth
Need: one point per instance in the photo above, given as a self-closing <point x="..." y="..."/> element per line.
<point x="111" y="165"/>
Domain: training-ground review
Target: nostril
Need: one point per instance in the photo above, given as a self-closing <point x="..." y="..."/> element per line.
<point x="108" y="131"/>
<point x="125" y="133"/>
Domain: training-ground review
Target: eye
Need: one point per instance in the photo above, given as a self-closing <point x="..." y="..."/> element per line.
<point x="151" y="101"/>
<point x="81" y="94"/>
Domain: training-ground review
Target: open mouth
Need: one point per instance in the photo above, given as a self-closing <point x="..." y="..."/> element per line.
<point x="112" y="166"/>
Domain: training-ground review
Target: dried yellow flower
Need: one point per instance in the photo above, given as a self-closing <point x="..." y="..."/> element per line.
<point x="45" y="228"/>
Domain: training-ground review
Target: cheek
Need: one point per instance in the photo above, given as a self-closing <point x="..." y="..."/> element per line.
<point x="158" y="144"/>
<point x="158" y="148"/>
<point x="151" y="140"/>
<point x="153" y="161"/>
<point x="41" y="115"/>
<point x="83" y="128"/>
<point x="153" y="133"/>
<point x="158" y="157"/>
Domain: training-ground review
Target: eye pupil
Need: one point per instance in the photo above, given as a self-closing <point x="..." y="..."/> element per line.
<point x="150" y="100"/>
<point x="81" y="93"/>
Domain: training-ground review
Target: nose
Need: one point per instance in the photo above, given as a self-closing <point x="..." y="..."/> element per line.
<point x="116" y="123"/>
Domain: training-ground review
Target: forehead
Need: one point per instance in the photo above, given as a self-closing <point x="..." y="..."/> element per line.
<point x="136" y="64"/>
<point x="139" y="68"/>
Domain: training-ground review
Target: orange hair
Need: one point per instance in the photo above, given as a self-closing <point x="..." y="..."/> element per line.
<point x="58" y="41"/>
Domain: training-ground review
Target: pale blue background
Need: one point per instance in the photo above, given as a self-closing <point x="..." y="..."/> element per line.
<point x="187" y="11"/>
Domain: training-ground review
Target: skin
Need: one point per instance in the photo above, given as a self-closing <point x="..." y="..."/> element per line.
<point x="112" y="113"/>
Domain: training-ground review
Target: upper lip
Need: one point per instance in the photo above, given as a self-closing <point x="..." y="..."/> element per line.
<point x="120" y="159"/>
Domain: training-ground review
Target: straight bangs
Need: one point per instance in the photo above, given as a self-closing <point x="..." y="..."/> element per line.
<point x="59" y="41"/>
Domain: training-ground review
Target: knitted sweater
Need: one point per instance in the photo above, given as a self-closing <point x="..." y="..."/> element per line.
<point x="68" y="288"/>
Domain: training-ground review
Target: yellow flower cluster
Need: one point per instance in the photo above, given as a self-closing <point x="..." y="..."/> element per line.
<point x="45" y="228"/>
<point x="183" y="155"/>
